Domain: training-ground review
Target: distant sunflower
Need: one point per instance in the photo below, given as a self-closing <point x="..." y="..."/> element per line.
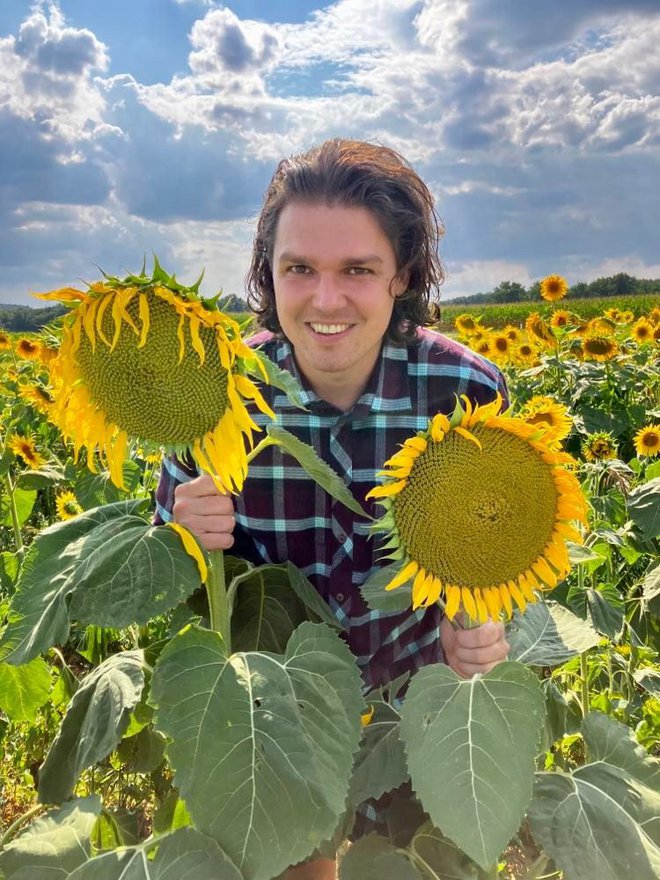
<point x="642" y="331"/>
<point x="37" y="396"/>
<point x="24" y="448"/>
<point x="502" y="536"/>
<point x="67" y="505"/>
<point x="538" y="329"/>
<point x="5" y="342"/>
<point x="526" y="354"/>
<point x="546" y="413"/>
<point x="599" y="348"/>
<point x="654" y="315"/>
<point x="601" y="326"/>
<point x="144" y="358"/>
<point x="560" y="318"/>
<point x="554" y="287"/>
<point x="466" y="324"/>
<point x="483" y="345"/>
<point x="512" y="333"/>
<point x="613" y="314"/>
<point x="599" y="446"/>
<point x="500" y="345"/>
<point x="647" y="440"/>
<point x="29" y="349"/>
<point x="626" y="317"/>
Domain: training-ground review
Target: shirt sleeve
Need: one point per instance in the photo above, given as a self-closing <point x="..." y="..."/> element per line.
<point x="173" y="472"/>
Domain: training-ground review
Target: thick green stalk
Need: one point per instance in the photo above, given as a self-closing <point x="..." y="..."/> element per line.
<point x="16" y="826"/>
<point x="584" y="683"/>
<point x="216" y="592"/>
<point x="9" y="488"/>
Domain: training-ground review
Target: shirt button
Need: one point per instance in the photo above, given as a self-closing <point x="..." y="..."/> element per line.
<point x="341" y="536"/>
<point x="340" y="597"/>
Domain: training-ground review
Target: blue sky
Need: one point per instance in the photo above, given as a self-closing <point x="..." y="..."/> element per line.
<point x="142" y="126"/>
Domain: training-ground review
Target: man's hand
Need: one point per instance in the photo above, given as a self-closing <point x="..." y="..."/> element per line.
<point x="469" y="651"/>
<point x="199" y="506"/>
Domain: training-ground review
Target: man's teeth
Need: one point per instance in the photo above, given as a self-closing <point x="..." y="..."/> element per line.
<point x="329" y="328"/>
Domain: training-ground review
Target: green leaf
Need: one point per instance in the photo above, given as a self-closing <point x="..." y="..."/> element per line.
<point x="648" y="678"/>
<point x="380" y="764"/>
<point x="24" y="689"/>
<point x="171" y="814"/>
<point x="54" y="844"/>
<point x="317" y="469"/>
<point x="96" y="490"/>
<point x="379" y="599"/>
<point x="309" y="596"/>
<point x="184" y="855"/>
<point x="105" y="567"/>
<point x="24" y="500"/>
<point x="374" y="858"/>
<point x="93" y="725"/>
<point x="597" y="822"/>
<point x="651" y="591"/>
<point x="49" y="475"/>
<point x="143" y="752"/>
<point x="548" y="634"/>
<point x="8" y="571"/>
<point x="281" y="379"/>
<point x="606" y="610"/>
<point x="442" y="858"/>
<point x="262" y="744"/>
<point x="644" y="508"/>
<point x="265" y="610"/>
<point x="613" y="742"/>
<point x="560" y="716"/>
<point x="479" y="737"/>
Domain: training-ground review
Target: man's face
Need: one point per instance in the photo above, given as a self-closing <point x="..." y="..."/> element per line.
<point x="332" y="268"/>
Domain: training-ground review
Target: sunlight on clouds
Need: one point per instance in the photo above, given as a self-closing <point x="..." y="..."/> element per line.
<point x="479" y="276"/>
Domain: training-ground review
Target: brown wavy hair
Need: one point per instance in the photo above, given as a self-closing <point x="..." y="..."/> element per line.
<point x="356" y="173"/>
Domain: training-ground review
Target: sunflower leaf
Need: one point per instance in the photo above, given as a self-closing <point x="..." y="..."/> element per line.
<point x="643" y="505"/>
<point x="379" y="599"/>
<point x="613" y="742"/>
<point x="374" y="858"/>
<point x="317" y="469"/>
<point x="279" y="378"/>
<point x="286" y="726"/>
<point x="480" y="737"/>
<point x="380" y="765"/>
<point x="598" y="822"/>
<point x="24" y="689"/>
<point x="442" y="858"/>
<point x="548" y="634"/>
<point x="94" y="723"/>
<point x="54" y="844"/>
<point x="185" y="855"/>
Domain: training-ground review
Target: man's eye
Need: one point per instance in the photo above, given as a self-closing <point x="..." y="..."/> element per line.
<point x="358" y="270"/>
<point x="299" y="269"/>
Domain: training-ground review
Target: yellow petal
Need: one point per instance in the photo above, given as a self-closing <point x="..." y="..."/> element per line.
<point x="366" y="717"/>
<point x="435" y="588"/>
<point x="543" y="570"/>
<point x="505" y="596"/>
<point x="418" y="443"/>
<point x="493" y="602"/>
<point x="192" y="548"/>
<point x="453" y="601"/>
<point x="404" y="575"/>
<point x="468" y="436"/>
<point x="482" y="610"/>
<point x="419" y="590"/>
<point x="144" y="319"/>
<point x="385" y="491"/>
<point x="101" y="310"/>
<point x="468" y="603"/>
<point x="517" y="596"/>
<point x="198" y="345"/>
<point x="570" y="532"/>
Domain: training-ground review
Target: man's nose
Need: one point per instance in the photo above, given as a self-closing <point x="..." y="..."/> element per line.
<point x="328" y="292"/>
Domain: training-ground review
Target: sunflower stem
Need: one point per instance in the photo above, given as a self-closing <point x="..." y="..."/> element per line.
<point x="584" y="676"/>
<point x="263" y="444"/>
<point x="9" y="487"/>
<point x="216" y="592"/>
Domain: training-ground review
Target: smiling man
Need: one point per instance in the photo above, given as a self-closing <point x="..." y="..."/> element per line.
<point x="345" y="263"/>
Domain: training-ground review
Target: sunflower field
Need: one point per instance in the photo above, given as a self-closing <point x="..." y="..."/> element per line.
<point x="167" y="712"/>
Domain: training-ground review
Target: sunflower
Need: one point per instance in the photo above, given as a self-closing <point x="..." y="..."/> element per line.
<point x="483" y="345"/>
<point x="554" y="287"/>
<point x="599" y="348"/>
<point x="647" y="440"/>
<point x="24" y="448"/>
<point x="477" y="511"/>
<point x="5" y="342"/>
<point x="512" y="333"/>
<point x="145" y="358"/>
<point x="466" y="324"/>
<point x="526" y="354"/>
<point x="67" y="505"/>
<point x="601" y="326"/>
<point x="546" y="413"/>
<point x="613" y="314"/>
<point x="599" y="446"/>
<point x="538" y="329"/>
<point x="28" y="349"/>
<point x="560" y="318"/>
<point x="642" y="330"/>
<point x="500" y="346"/>
<point x="37" y="396"/>
<point x="654" y="315"/>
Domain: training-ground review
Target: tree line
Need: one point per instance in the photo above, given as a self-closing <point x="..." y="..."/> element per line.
<point x="612" y="285"/>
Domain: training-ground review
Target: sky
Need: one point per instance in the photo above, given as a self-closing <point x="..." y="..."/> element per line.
<point x="153" y="126"/>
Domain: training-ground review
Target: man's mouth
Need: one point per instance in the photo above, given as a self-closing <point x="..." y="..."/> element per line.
<point x="328" y="329"/>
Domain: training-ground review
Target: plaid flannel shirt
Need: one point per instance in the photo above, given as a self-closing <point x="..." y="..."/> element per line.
<point x="281" y="514"/>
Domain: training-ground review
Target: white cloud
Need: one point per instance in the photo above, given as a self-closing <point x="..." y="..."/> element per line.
<point x="480" y="276"/>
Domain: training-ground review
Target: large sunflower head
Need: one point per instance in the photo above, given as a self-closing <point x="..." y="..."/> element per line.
<point x="539" y="330"/>
<point x="554" y="287"/>
<point x="477" y="511"/>
<point x="145" y="358"/>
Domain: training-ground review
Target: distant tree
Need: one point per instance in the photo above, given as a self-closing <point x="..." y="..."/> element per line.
<point x="232" y="303"/>
<point x="508" y="292"/>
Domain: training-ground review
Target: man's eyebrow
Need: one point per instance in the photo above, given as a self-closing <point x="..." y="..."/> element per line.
<point x="290" y="257"/>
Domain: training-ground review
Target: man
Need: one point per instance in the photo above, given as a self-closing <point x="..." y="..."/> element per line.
<point x="344" y="263"/>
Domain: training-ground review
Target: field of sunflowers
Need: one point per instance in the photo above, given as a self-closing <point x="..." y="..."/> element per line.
<point x="151" y="727"/>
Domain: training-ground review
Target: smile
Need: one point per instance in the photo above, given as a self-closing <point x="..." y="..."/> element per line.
<point x="329" y="329"/>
